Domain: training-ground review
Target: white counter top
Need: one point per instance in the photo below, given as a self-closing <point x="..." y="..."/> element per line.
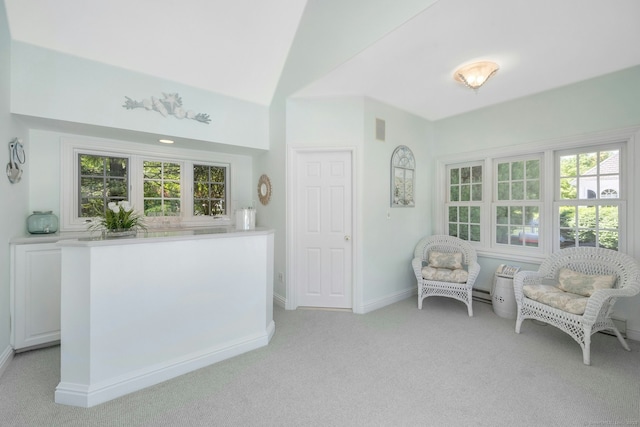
<point x="85" y="238"/>
<point x="47" y="238"/>
<point x="166" y="235"/>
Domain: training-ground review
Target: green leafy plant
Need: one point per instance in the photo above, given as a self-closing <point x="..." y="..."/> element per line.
<point x="119" y="216"/>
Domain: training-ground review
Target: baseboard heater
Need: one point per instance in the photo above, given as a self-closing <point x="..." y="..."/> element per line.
<point x="481" y="296"/>
<point x="621" y="324"/>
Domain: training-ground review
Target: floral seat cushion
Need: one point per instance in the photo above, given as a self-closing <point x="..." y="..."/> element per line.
<point x="445" y="274"/>
<point x="555" y="297"/>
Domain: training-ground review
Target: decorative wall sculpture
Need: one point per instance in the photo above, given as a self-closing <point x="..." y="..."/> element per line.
<point x="169" y="104"/>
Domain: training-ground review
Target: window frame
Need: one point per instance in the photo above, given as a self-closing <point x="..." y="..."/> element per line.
<point x="142" y="197"/>
<point x="539" y="203"/>
<point x="620" y="201"/>
<point x="104" y="176"/>
<point x="470" y="203"/>
<point x="192" y="182"/>
<point x="136" y="154"/>
<point x="624" y="138"/>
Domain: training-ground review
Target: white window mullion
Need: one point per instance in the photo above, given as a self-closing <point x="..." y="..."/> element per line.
<point x="187" y="190"/>
<point x="135" y="183"/>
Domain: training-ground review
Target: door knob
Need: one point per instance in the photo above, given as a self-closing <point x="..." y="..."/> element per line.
<point x="347" y="238"/>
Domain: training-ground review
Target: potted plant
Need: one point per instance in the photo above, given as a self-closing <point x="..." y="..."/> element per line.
<point x="118" y="220"/>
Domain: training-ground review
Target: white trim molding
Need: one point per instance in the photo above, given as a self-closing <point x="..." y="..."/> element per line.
<point x="5" y="359"/>
<point x="378" y="303"/>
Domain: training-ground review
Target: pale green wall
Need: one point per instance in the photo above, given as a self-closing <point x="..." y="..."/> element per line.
<point x="324" y="40"/>
<point x="61" y="87"/>
<point x="385" y="236"/>
<point x="13" y="208"/>
<point x="605" y="103"/>
<point x="58" y="86"/>
<point x="608" y="102"/>
<point x="390" y="234"/>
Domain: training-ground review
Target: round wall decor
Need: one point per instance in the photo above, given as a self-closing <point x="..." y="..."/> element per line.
<point x="264" y="189"/>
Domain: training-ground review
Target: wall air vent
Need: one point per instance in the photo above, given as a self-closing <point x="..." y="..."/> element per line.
<point x="380" y="129"/>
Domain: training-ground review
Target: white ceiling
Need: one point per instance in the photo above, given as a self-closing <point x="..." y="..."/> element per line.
<point x="239" y="48"/>
<point x="232" y="47"/>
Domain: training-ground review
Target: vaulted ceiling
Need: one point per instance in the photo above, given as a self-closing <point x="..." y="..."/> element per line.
<point x="240" y="48"/>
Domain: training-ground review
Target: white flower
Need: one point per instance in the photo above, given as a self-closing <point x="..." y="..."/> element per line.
<point x="126" y="205"/>
<point x="191" y="114"/>
<point x="146" y="103"/>
<point x="114" y="207"/>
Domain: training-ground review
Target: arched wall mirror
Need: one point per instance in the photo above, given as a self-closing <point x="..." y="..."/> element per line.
<point x="403" y="167"/>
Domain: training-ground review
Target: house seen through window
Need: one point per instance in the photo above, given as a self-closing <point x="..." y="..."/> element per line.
<point x="589" y="204"/>
<point x="583" y="205"/>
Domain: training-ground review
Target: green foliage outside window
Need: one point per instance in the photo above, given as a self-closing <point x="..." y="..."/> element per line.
<point x="103" y="179"/>
<point x="586" y="225"/>
<point x="161" y="186"/>
<point x="209" y="190"/>
<point x="589" y="226"/>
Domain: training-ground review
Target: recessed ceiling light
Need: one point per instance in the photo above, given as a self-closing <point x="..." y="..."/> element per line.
<point x="166" y="141"/>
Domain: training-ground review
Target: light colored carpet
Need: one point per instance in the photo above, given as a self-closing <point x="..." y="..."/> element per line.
<point x="397" y="366"/>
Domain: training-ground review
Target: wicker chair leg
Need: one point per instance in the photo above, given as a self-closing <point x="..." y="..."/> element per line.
<point x="586" y="349"/>
<point x="518" y="323"/>
<point x="470" y="309"/>
<point x="621" y="338"/>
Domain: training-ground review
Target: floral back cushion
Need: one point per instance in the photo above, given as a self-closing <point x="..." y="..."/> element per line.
<point x="583" y="284"/>
<point x="452" y="261"/>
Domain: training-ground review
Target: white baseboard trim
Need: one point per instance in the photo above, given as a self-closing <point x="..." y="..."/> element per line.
<point x="86" y="396"/>
<point x="633" y="334"/>
<point x="387" y="300"/>
<point x="279" y="300"/>
<point x="5" y="358"/>
<point x="271" y="329"/>
<point x="366" y="307"/>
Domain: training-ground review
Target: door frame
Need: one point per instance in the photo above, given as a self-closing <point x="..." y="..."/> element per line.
<point x="293" y="159"/>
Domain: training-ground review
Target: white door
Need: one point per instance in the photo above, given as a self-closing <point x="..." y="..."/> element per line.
<point x="323" y="224"/>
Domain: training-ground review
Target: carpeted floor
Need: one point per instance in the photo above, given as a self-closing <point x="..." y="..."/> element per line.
<point x="397" y="366"/>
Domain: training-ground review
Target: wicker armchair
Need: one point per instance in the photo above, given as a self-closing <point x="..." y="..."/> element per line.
<point x="597" y="311"/>
<point x="434" y="287"/>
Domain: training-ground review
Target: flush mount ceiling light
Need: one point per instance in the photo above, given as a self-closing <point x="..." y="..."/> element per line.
<point x="166" y="141"/>
<point x="475" y="75"/>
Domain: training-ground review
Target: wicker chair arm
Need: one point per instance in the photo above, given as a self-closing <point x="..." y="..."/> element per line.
<point x="473" y="270"/>
<point x="416" y="263"/>
<point x="525" y="278"/>
<point x="601" y="296"/>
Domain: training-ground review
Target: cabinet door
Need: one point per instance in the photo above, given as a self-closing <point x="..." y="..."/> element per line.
<point x="36" y="294"/>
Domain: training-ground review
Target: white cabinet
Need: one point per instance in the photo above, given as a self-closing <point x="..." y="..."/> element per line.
<point x="35" y="294"/>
